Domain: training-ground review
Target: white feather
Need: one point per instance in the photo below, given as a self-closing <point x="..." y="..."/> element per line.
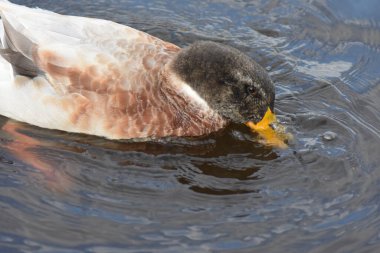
<point x="2" y="35"/>
<point x="190" y="92"/>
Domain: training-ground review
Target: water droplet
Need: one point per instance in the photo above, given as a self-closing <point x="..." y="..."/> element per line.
<point x="329" y="136"/>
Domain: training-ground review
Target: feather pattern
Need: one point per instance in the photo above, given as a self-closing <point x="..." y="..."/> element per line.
<point x="94" y="76"/>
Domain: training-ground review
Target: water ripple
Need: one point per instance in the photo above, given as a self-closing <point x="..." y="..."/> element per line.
<point x="225" y="191"/>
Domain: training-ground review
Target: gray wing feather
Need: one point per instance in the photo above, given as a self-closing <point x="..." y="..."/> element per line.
<point x="21" y="64"/>
<point x="18" y="51"/>
<point x="16" y="40"/>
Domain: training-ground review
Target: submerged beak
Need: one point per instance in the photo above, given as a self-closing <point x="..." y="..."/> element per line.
<point x="270" y="130"/>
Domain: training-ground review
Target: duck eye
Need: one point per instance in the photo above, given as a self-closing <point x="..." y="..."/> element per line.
<point x="250" y="89"/>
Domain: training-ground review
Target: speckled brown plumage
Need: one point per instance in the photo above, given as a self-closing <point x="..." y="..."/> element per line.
<point x="102" y="78"/>
<point x="97" y="77"/>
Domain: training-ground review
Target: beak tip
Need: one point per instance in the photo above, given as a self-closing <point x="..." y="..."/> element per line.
<point x="273" y="136"/>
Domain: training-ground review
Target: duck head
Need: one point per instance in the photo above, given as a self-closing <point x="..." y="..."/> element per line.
<point x="231" y="83"/>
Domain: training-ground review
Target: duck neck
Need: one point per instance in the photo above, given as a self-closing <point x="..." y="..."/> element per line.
<point x="193" y="114"/>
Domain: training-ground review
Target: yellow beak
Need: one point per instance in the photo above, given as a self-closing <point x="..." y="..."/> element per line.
<point x="270" y="130"/>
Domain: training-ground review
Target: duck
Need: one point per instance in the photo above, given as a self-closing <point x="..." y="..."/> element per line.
<point x="98" y="77"/>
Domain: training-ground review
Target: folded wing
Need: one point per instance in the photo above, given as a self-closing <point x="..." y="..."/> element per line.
<point x="76" y="53"/>
<point x="81" y="74"/>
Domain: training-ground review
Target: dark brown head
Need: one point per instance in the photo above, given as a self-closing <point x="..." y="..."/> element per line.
<point x="231" y="83"/>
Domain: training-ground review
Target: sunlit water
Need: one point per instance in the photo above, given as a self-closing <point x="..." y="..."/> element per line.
<point x="224" y="192"/>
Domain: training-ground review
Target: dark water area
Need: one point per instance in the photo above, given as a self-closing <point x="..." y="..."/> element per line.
<point x="225" y="192"/>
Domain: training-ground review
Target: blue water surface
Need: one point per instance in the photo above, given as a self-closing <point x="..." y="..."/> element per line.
<point x="225" y="192"/>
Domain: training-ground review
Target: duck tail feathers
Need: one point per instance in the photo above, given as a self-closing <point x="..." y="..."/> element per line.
<point x="2" y="35"/>
<point x="6" y="70"/>
<point x="15" y="52"/>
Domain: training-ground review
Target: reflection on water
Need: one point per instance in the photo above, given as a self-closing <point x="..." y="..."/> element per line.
<point x="226" y="191"/>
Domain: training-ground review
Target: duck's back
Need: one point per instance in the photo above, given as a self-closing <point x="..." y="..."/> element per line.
<point x="81" y="74"/>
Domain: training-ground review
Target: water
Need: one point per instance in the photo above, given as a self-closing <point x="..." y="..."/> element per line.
<point x="225" y="192"/>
